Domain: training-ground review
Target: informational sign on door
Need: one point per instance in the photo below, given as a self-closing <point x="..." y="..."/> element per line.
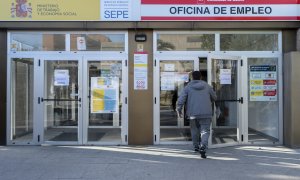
<point x="169" y="67"/>
<point x="104" y="95"/>
<point x="140" y="71"/>
<point x="61" y="77"/>
<point x="170" y="81"/>
<point x="225" y="76"/>
<point x="263" y="83"/>
<point x="167" y="81"/>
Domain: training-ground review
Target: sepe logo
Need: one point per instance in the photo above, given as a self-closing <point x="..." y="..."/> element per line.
<point x="21" y="9"/>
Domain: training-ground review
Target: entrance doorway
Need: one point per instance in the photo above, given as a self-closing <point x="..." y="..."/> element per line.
<point x="172" y="74"/>
<point x="224" y="75"/>
<point x="235" y="119"/>
<point x="69" y="100"/>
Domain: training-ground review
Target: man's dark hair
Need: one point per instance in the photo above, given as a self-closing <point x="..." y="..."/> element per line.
<point x="196" y="75"/>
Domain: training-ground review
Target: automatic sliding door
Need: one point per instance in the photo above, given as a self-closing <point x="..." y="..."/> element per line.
<point x="62" y="101"/>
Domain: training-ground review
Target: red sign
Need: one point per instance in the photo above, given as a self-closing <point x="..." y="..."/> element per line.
<point x="270" y="93"/>
<point x="269" y="82"/>
<point x="220" y="2"/>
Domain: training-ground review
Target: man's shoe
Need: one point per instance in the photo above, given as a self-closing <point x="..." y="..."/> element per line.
<point x="202" y="151"/>
<point x="203" y="155"/>
<point x="196" y="149"/>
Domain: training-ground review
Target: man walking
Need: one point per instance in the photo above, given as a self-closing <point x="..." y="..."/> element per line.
<point x="198" y="97"/>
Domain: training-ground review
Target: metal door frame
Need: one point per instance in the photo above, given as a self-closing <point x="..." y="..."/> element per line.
<point x="124" y="128"/>
<point x="34" y="140"/>
<point x="241" y="92"/>
<point x="41" y="82"/>
<point x="156" y="93"/>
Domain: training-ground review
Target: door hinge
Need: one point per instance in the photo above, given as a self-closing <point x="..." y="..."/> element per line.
<point x="39" y="100"/>
<point x="125" y="100"/>
<point x="125" y="138"/>
<point x="155" y="137"/>
<point x="155" y="62"/>
<point x="39" y="62"/>
<point x="155" y="100"/>
<point x="241" y="62"/>
<point x="38" y="138"/>
<point x="126" y="62"/>
<point x="242" y="137"/>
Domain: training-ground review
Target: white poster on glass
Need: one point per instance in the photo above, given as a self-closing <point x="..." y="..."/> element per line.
<point x="225" y="76"/>
<point x="167" y="81"/>
<point x="61" y="77"/>
<point x="81" y="44"/>
<point x="169" y="67"/>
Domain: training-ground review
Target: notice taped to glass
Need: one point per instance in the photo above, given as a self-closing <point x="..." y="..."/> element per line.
<point x="263" y="83"/>
<point x="104" y="95"/>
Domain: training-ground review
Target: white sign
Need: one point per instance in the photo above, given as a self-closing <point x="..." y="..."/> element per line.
<point x="61" y="77"/>
<point x="169" y="67"/>
<point x="81" y="44"/>
<point x="116" y="10"/>
<point x="219" y="10"/>
<point x="140" y="71"/>
<point x="225" y="76"/>
<point x="167" y="81"/>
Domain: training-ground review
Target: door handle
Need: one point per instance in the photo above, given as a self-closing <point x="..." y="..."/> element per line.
<point x="61" y="99"/>
<point x="240" y="100"/>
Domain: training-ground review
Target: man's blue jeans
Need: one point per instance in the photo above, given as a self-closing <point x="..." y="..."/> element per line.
<point x="200" y="128"/>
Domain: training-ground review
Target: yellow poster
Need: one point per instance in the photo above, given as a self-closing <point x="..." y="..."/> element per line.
<point x="98" y="93"/>
<point x="256" y="82"/>
<point x="49" y="10"/>
<point x="256" y="93"/>
<point x="98" y="105"/>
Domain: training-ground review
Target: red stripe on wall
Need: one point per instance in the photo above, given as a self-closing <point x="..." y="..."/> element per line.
<point x="223" y="18"/>
<point x="220" y="2"/>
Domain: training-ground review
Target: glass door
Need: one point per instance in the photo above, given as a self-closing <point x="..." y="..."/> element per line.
<point x="105" y="101"/>
<point x="173" y="75"/>
<point x="21" y="100"/>
<point x="61" y="101"/>
<point x="224" y="75"/>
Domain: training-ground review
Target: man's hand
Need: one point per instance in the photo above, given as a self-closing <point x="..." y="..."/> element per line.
<point x="179" y="114"/>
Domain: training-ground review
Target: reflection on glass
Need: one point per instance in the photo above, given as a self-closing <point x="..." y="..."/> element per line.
<point x="249" y="42"/>
<point x="97" y="42"/>
<point x="22" y="99"/>
<point x="105" y="85"/>
<point x="224" y="81"/>
<point x="185" y="42"/>
<point x="37" y="42"/>
<point x="263" y="113"/>
<point x="61" y="101"/>
<point x="174" y="75"/>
